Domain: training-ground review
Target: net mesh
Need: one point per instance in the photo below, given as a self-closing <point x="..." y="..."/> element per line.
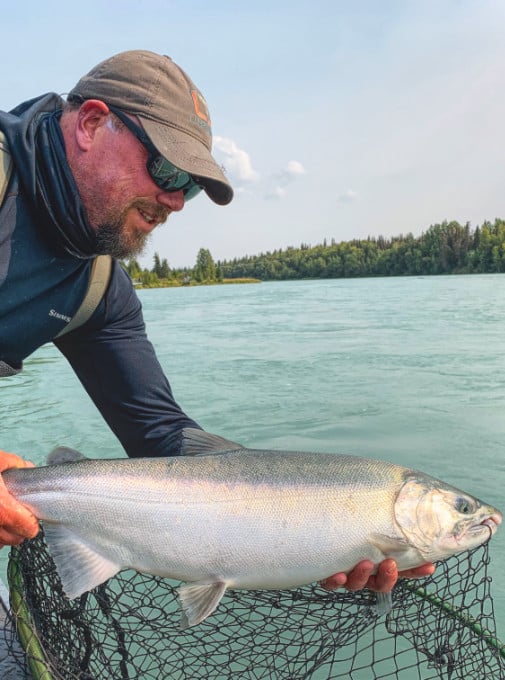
<point x="127" y="629"/>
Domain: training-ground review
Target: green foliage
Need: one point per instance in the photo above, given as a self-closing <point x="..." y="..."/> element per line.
<point x="205" y="269"/>
<point x="446" y="248"/>
<point x="161" y="268"/>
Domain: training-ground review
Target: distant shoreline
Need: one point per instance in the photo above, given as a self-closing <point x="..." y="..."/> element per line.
<point x="169" y="283"/>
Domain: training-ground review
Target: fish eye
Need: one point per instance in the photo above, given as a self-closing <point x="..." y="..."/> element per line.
<point x="464" y="506"/>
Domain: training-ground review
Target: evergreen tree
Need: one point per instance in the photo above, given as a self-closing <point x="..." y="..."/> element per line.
<point x="164" y="271"/>
<point x="205" y="268"/>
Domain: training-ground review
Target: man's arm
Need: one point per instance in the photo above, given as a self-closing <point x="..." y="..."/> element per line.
<point x="118" y="367"/>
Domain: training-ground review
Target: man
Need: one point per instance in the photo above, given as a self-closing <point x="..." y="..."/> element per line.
<point x="95" y="175"/>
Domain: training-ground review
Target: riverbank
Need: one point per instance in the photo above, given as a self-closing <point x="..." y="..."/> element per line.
<point x="174" y="283"/>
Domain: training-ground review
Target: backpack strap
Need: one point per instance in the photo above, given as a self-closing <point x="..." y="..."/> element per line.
<point x="99" y="280"/>
<point x="5" y="166"/>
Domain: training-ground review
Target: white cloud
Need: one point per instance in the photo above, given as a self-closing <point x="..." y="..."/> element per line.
<point x="295" y="168"/>
<point x="290" y="172"/>
<point x="236" y="161"/>
<point x="246" y="180"/>
<point x="280" y="180"/>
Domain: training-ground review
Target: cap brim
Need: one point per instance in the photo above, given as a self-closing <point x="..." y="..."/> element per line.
<point x="190" y="155"/>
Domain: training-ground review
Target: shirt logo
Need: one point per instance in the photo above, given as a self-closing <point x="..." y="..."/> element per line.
<point x="57" y="315"/>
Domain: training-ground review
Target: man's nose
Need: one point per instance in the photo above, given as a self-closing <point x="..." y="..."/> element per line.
<point x="173" y="200"/>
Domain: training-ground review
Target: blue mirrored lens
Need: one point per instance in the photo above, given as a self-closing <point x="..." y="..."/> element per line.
<point x="167" y="175"/>
<point x="192" y="191"/>
<point x="169" y="178"/>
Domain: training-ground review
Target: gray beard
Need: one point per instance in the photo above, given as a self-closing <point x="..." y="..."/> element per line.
<point x="110" y="240"/>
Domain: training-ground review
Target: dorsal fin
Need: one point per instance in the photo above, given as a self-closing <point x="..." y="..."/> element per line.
<point x="198" y="442"/>
<point x="63" y="454"/>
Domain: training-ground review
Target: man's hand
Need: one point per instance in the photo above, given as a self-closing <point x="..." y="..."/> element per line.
<point x="381" y="582"/>
<point x="16" y="521"/>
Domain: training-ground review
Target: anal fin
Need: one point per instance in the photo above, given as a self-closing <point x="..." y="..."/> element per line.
<point x="198" y="600"/>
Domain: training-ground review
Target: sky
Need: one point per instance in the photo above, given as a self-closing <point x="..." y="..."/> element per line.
<point x="333" y="119"/>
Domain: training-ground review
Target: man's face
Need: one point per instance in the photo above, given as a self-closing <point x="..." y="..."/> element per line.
<point x="123" y="203"/>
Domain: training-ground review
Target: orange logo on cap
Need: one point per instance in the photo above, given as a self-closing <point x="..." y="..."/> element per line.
<point x="201" y="106"/>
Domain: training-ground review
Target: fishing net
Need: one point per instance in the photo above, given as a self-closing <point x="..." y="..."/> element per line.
<point x="127" y="629"/>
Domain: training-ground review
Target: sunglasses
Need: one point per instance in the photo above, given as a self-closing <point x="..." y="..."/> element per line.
<point x="165" y="175"/>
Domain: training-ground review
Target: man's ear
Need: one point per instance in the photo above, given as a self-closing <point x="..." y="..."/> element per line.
<point x="91" y="116"/>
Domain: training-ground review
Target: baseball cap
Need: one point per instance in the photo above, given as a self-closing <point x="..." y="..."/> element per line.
<point x="169" y="106"/>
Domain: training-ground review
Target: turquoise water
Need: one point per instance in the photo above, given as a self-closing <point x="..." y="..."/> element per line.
<point x="406" y="369"/>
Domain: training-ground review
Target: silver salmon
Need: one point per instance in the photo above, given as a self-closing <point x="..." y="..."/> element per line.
<point x="223" y="516"/>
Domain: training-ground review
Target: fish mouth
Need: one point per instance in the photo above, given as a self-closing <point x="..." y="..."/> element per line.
<point x="492" y="523"/>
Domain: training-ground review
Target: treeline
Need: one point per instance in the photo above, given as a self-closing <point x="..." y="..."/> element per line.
<point x="204" y="271"/>
<point x="446" y="248"/>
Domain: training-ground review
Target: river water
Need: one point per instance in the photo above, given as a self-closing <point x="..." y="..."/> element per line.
<point x="406" y="369"/>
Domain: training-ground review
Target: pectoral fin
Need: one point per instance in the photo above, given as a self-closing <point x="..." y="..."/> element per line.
<point x="390" y="546"/>
<point x="200" y="443"/>
<point x="198" y="600"/>
<point x="79" y="565"/>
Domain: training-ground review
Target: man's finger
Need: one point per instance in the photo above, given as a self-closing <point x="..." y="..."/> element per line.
<point x="385" y="578"/>
<point x="418" y="572"/>
<point x="10" y="460"/>
<point x="15" y="519"/>
<point x="335" y="581"/>
<point x="356" y="579"/>
<point x="8" y="538"/>
<point x="359" y="576"/>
